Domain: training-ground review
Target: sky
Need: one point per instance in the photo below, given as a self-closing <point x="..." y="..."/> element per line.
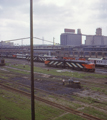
<point x="50" y="18"/>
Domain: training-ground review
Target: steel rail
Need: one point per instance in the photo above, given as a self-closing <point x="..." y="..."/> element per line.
<point x="62" y="107"/>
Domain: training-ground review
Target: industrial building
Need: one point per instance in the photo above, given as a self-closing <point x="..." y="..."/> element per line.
<point x="85" y="51"/>
<point x="97" y="39"/>
<point x="70" y="38"/>
<point x="71" y="46"/>
<point x="6" y="44"/>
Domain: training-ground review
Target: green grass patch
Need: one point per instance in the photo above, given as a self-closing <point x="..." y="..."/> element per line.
<point x="75" y="74"/>
<point x="84" y="100"/>
<point x="18" y="71"/>
<point x="3" y="77"/>
<point x="88" y="100"/>
<point x="75" y="105"/>
<point x="70" y="117"/>
<point x="17" y="107"/>
<point x="95" y="112"/>
<point x="99" y="89"/>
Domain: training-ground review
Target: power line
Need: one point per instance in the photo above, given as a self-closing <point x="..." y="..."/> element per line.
<point x="42" y="39"/>
<point x="27" y="38"/>
<point x="17" y="39"/>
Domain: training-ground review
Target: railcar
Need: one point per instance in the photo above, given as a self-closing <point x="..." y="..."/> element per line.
<point x="99" y="61"/>
<point x="72" y="58"/>
<point x="69" y="58"/>
<point x="3" y="55"/>
<point x="11" y="56"/>
<point x="39" y="58"/>
<point x="21" y="56"/>
<point x="73" y="64"/>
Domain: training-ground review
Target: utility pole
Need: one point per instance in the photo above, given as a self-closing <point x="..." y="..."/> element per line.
<point x="22" y="47"/>
<point x="31" y="51"/>
<point x="43" y="40"/>
<point x="53" y="40"/>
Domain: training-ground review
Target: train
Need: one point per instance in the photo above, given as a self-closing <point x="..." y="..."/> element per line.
<point x="18" y="56"/>
<point x="102" y="62"/>
<point x="36" y="58"/>
<point x="72" y="64"/>
<point x="72" y="58"/>
<point x="39" y="58"/>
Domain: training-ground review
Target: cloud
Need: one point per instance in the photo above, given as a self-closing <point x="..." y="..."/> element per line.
<point x="50" y="17"/>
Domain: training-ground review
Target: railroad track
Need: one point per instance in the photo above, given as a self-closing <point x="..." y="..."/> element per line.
<point x="43" y="91"/>
<point x="62" y="107"/>
<point x="97" y="69"/>
<point x="84" y="82"/>
<point x="101" y="70"/>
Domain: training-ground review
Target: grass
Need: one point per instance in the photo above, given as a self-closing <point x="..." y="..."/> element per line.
<point x="11" y="109"/>
<point x="91" y="101"/>
<point x="21" y="104"/>
<point x="17" y="107"/>
<point x="95" y="112"/>
<point x="64" y="102"/>
<point x="70" y="117"/>
<point x="18" y="71"/>
<point x="99" y="89"/>
<point x="88" y="100"/>
<point x="3" y="77"/>
<point x="54" y="72"/>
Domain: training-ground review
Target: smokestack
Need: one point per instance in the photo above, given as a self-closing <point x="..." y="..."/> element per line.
<point x="98" y="31"/>
<point x="78" y="31"/>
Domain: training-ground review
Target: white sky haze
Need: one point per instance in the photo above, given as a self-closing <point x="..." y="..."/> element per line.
<point x="50" y="17"/>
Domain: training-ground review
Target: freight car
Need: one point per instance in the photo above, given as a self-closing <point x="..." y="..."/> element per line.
<point x="11" y="56"/>
<point x="99" y="61"/>
<point x="21" y="56"/>
<point x="73" y="64"/>
<point x="18" y="56"/>
<point x="36" y="58"/>
<point x="72" y="58"/>
<point x="39" y="58"/>
<point x="3" y="55"/>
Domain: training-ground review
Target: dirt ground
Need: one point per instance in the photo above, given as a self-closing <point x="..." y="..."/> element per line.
<point x="91" y="89"/>
<point x="47" y="83"/>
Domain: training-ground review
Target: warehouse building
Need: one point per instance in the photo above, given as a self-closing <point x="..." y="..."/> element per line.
<point x="97" y="39"/>
<point x="70" y="38"/>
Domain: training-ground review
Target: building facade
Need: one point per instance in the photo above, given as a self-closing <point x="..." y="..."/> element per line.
<point x="96" y="40"/>
<point x="70" y="39"/>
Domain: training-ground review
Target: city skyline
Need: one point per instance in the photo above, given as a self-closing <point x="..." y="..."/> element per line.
<point x="50" y="18"/>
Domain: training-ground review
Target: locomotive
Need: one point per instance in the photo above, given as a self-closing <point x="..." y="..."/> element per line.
<point x="73" y="64"/>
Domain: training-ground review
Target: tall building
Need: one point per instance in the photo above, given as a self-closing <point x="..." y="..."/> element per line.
<point x="70" y="38"/>
<point x="98" y="31"/>
<point x="97" y="39"/>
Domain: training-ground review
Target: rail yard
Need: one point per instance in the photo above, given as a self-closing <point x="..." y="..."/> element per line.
<point x="89" y="101"/>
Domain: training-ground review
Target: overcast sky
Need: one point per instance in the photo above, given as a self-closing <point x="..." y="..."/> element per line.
<point x="50" y="17"/>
